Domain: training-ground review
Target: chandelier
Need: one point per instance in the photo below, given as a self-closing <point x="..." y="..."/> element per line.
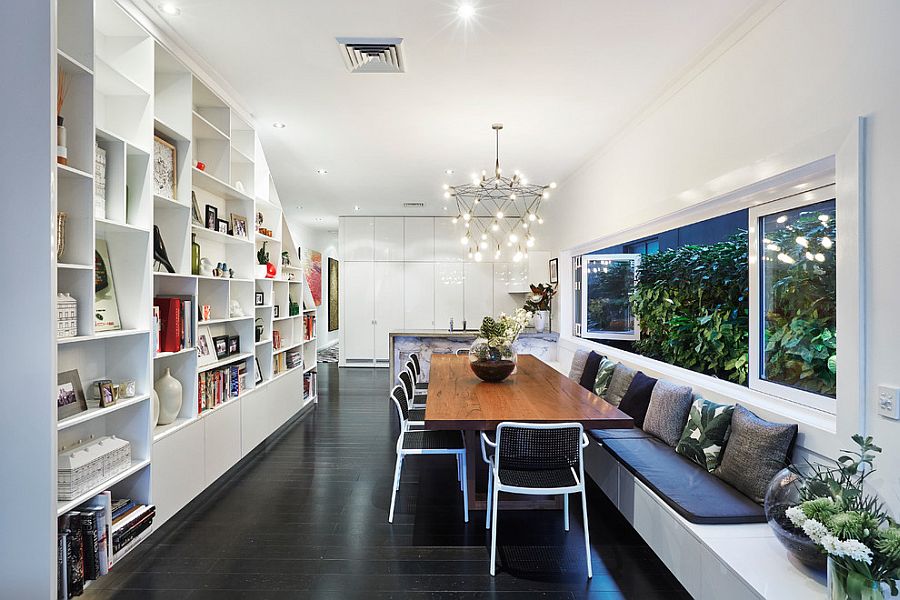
<point x="497" y="212"/>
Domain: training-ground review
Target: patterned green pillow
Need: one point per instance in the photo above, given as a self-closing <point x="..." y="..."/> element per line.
<point x="604" y="376"/>
<point x="706" y="432"/>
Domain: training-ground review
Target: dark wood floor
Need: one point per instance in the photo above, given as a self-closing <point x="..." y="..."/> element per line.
<point x="307" y="518"/>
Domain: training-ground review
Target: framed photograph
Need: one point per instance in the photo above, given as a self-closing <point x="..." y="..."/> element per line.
<point x="205" y="354"/>
<point x="164" y="168"/>
<point x="220" y="343"/>
<point x="259" y="299"/>
<point x="105" y="393"/>
<point x="234" y="345"/>
<point x="238" y="226"/>
<point x="258" y="371"/>
<point x="195" y="209"/>
<point x="222" y="226"/>
<point x="212" y="217"/>
<point x="106" y="307"/>
<point x="69" y="395"/>
<point x="554" y="270"/>
<point x="275" y="311"/>
<point x="333" y="295"/>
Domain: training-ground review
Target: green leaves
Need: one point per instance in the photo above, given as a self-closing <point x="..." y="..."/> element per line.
<point x="706" y="432"/>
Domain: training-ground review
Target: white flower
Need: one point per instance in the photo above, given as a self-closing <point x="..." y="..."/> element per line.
<point x="853" y="549"/>
<point x="815" y="530"/>
<point x="796" y="515"/>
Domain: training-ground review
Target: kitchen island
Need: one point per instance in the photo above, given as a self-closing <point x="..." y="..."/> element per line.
<point x="442" y="341"/>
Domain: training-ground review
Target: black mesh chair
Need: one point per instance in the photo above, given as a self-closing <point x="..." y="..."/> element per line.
<point x="421" y="442"/>
<point x="421" y="388"/>
<point x="538" y="460"/>
<point x="408" y="382"/>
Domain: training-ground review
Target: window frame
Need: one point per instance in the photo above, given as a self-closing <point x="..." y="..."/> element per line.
<point x="756" y="354"/>
<point x="586" y="259"/>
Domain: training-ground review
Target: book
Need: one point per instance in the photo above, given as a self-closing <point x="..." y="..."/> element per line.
<point x="120" y="506"/>
<point x="62" y="574"/>
<point x="170" y="323"/>
<point x="74" y="554"/>
<point x="91" y="543"/>
<point x="101" y="504"/>
<point x="106" y="308"/>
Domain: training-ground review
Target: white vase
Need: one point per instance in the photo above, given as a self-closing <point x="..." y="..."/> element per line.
<point x="154" y="418"/>
<point x="540" y="320"/>
<point x="169" y="390"/>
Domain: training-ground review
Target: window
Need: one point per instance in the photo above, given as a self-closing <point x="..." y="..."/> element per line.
<point x="606" y="298"/>
<point x="648" y="246"/>
<point x="794" y="299"/>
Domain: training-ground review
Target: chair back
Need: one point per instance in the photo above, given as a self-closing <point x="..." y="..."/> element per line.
<point x="417" y="368"/>
<point x="533" y="446"/>
<point x="406" y="380"/>
<point x="398" y="396"/>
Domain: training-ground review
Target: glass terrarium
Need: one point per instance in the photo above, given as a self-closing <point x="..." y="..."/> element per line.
<point x="784" y="492"/>
<point x="492" y="363"/>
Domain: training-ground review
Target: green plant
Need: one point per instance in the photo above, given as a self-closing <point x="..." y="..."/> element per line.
<point x="540" y="297"/>
<point x="262" y="257"/>
<point x="500" y="333"/>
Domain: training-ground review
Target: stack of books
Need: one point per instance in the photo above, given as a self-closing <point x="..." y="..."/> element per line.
<point x="294" y="358"/>
<point x="309" y="384"/>
<point x="220" y="385"/>
<point x="130" y="524"/>
<point x="173" y="323"/>
<point x="309" y="327"/>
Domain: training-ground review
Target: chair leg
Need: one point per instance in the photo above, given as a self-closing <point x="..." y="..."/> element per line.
<point x="465" y="486"/>
<point x="494" y="532"/>
<point x="587" y="537"/>
<point x="395" y="487"/>
<point x="457" y="467"/>
<point x="566" y="511"/>
<point x="489" y="499"/>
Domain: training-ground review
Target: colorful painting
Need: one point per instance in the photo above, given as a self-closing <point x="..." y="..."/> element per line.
<point x="312" y="270"/>
<point x="333" y="276"/>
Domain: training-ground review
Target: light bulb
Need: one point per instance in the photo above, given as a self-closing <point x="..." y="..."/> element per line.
<point x="532" y="217"/>
<point x="447" y="195"/>
<point x="552" y="185"/>
<point x="530" y="242"/>
<point x="495" y="226"/>
<point x="525" y="254"/>
<point x="484" y="236"/>
<point x="467" y="224"/>
<point x="466" y="216"/>
<point x="513" y="238"/>
<point x="499" y="214"/>
<point x="455" y="220"/>
<point x="512" y="196"/>
<point x="540" y="220"/>
<point x="524" y="225"/>
<point x="478" y="257"/>
<point x="477" y="201"/>
<point x="170" y="9"/>
<point x="470" y="255"/>
<point x="446" y="186"/>
<point x="482" y="245"/>
<point x="524" y="181"/>
<point x="497" y="254"/>
<point x="545" y="195"/>
<point x="517" y="257"/>
<point x="509" y="244"/>
<point x="464" y="240"/>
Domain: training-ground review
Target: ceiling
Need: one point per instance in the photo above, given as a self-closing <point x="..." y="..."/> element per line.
<point x="563" y="77"/>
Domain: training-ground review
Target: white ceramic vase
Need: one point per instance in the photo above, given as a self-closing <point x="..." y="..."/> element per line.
<point x="169" y="390"/>
<point x="540" y="320"/>
<point x="154" y="418"/>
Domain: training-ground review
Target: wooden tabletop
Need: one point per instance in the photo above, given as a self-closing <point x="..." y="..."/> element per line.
<point x="536" y="393"/>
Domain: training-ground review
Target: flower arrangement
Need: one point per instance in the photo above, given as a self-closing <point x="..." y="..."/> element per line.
<point x="504" y="330"/>
<point x="861" y="540"/>
<point x="540" y="297"/>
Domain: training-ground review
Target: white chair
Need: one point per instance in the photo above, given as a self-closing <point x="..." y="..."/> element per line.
<point x="421" y="388"/>
<point x="407" y="380"/>
<point x="422" y="442"/>
<point x="539" y="460"/>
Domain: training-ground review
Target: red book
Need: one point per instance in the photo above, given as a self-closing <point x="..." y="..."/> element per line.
<point x="170" y="323"/>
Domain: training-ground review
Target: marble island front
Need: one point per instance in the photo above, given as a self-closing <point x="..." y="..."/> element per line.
<point x="443" y="341"/>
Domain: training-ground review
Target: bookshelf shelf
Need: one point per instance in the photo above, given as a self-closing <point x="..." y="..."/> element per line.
<point x="72" y="266"/>
<point x="162" y="431"/>
<point x="286" y="348"/>
<point x="67" y="172"/>
<point x="105" y="225"/>
<point x="101" y="336"/>
<point x="63" y="507"/>
<point x="217" y="236"/>
<point x="93" y="413"/>
<point x="225" y="361"/>
<point x="161" y="202"/>
<point x="310" y="368"/>
<point x="183" y="352"/>
<point x="224" y="320"/>
<point x="216" y="186"/>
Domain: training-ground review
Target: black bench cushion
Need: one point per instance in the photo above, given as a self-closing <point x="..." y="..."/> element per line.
<point x="688" y="488"/>
<point x="615" y="434"/>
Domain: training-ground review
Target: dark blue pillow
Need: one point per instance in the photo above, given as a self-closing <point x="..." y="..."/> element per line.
<point x="589" y="375"/>
<point x="637" y="399"/>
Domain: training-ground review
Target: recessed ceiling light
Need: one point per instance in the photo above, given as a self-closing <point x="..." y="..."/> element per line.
<point x="322" y="171"/>
<point x="320" y="219"/>
<point x="356" y="207"/>
<point x="448" y="171"/>
<point x="170" y="9"/>
<point x="466" y="11"/>
<point x="278" y="125"/>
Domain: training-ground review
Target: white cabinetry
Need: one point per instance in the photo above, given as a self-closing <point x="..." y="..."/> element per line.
<point x="388" y="238"/>
<point x="448" y="295"/>
<point x="418" y="295"/>
<point x="358" y="309"/>
<point x="534" y="270"/>
<point x="446" y="241"/>
<point x="418" y="239"/>
<point x="479" y="301"/>
<point x="388" y="305"/>
<point x="357" y="238"/>
<point x="504" y="275"/>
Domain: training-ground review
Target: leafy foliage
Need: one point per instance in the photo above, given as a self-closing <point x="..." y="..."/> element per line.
<point x="705" y="433"/>
<point x="262" y="257"/>
<point x="540" y="297"/>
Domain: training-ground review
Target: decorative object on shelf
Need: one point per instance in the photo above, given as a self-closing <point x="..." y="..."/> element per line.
<point x="200" y="165"/>
<point x="276" y="339"/>
<point x="285" y="258"/>
<point x="259" y="328"/>
<point x="333" y="282"/>
<point x="62" y="90"/>
<point x="275" y="311"/>
<point x="492" y="356"/>
<point x="69" y="395"/>
<point x="106" y="309"/>
<point x="169" y="391"/>
<point x="160" y="256"/>
<point x="99" y="182"/>
<point x="220" y="343"/>
<point x="195" y="255"/>
<point x="206" y="267"/>
<point x="205" y="312"/>
<point x="66" y="316"/>
<point x="501" y="209"/>
<point x="264" y="269"/>
<point x="104" y="392"/>
<point x="205" y="348"/>
<point x="222" y="270"/>
<point x="239" y="226"/>
<point x="259" y="221"/>
<point x="784" y="492"/>
<point x="234" y="345"/>
<point x="554" y="271"/>
<point x="853" y="528"/>
<point x="60" y="234"/>
<point x="164" y="168"/>
<point x="212" y="217"/>
<point x="87" y="465"/>
<point x="312" y="270"/>
<point x="222" y="226"/>
<point x="259" y="377"/>
<point x="127" y="388"/>
<point x="154" y="399"/>
<point x="293" y="308"/>
<point x="239" y="186"/>
<point x="258" y="299"/>
<point x="196" y="218"/>
<point x="538" y="303"/>
<point x="235" y="309"/>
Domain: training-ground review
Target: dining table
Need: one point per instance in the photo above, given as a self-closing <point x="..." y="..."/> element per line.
<point x="534" y="393"/>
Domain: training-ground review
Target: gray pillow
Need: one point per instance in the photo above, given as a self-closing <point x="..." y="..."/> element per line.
<point x="757" y="449"/>
<point x="618" y="385"/>
<point x="668" y="411"/>
<point x="578" y="361"/>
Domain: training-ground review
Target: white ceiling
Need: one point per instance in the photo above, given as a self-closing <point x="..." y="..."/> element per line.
<point x="562" y="76"/>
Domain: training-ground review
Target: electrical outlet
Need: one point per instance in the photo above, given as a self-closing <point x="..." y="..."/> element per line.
<point x="889" y="402"/>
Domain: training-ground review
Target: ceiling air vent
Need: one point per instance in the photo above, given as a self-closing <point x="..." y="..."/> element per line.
<point x="373" y="55"/>
<point x="413" y="205"/>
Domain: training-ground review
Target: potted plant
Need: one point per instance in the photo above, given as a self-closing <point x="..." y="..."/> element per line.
<point x="538" y="303"/>
<point x="492" y="356"/>
<point x="264" y="269"/>
<point x="852" y="529"/>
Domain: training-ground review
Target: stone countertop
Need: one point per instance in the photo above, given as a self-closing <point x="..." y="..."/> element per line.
<point x="469" y="333"/>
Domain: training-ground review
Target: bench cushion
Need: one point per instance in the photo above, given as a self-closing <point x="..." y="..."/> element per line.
<point x="688" y="488"/>
<point x="618" y="434"/>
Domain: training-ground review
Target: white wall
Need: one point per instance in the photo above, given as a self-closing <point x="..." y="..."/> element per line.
<point x="326" y="243"/>
<point x="809" y="67"/>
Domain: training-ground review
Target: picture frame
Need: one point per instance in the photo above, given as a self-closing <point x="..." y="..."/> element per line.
<point x="220" y="344"/>
<point x="239" y="226"/>
<point x="222" y="226"/>
<point x="165" y="171"/>
<point x="259" y="377"/>
<point x="105" y="393"/>
<point x="259" y="299"/>
<point x="212" y="217"/>
<point x="195" y="209"/>
<point x="234" y="345"/>
<point x="205" y="347"/>
<point x="554" y="270"/>
<point x="275" y="312"/>
<point x="70" y="399"/>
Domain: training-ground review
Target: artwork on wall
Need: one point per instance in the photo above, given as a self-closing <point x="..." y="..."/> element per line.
<point x="69" y="395"/>
<point x="106" y="310"/>
<point x="554" y="270"/>
<point x="333" y="277"/>
<point x="312" y="270"/>
<point x="164" y="166"/>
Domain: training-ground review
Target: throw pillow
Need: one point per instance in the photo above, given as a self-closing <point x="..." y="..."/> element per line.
<point x="589" y="375"/>
<point x="668" y="411"/>
<point x="756" y="451"/>
<point x="636" y="400"/>
<point x="604" y="375"/>
<point x="578" y="362"/>
<point x="621" y="379"/>
<point x="706" y="432"/>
